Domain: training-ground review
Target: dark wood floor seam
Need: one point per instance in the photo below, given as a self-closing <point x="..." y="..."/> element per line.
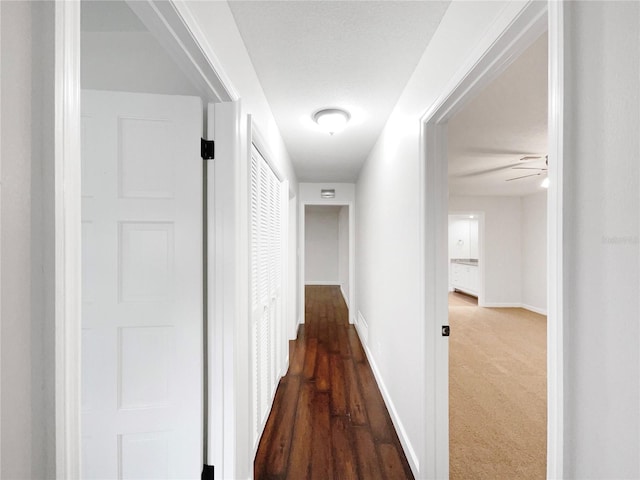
<point x="329" y="419"/>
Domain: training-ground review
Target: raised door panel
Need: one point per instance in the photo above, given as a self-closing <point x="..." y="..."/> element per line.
<point x="142" y="286"/>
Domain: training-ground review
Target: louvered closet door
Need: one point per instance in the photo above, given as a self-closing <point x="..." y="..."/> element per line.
<point x="266" y="283"/>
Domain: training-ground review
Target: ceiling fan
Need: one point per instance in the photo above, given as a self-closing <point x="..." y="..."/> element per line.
<point x="529" y="158"/>
<point x="508" y="166"/>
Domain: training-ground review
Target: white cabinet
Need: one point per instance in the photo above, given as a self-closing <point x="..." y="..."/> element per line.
<point x="463" y="237"/>
<point x="464" y="277"/>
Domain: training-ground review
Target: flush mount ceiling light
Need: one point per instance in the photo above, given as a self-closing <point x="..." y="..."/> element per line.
<point x="331" y="120"/>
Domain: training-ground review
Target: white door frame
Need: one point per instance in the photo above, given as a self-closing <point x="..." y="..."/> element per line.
<point x="352" y="250"/>
<point x="165" y="20"/>
<point x="532" y="20"/>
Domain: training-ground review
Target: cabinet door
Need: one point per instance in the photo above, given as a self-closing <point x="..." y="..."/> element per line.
<point x="455" y="275"/>
<point x="473" y="279"/>
<point x="464" y="276"/>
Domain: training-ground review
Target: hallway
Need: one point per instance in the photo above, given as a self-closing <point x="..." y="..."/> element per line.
<point x="329" y="419"/>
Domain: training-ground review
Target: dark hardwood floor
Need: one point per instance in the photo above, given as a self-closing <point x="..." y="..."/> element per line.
<point x="329" y="420"/>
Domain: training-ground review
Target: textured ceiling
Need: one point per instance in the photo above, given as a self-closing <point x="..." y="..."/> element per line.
<point x="505" y="122"/>
<point x="314" y="54"/>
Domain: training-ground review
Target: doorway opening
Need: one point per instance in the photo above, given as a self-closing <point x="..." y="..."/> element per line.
<point x="493" y="61"/>
<point x="326" y="246"/>
<point x="332" y="236"/>
<point x="145" y="410"/>
<point x="497" y="355"/>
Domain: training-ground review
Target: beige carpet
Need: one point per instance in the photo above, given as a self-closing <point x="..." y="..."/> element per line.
<point x="497" y="392"/>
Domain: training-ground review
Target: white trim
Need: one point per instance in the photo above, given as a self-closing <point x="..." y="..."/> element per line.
<point x="222" y="311"/>
<point x="68" y="320"/>
<point x="344" y="295"/>
<point x="333" y="283"/>
<point x="363" y="328"/>
<point x="502" y="305"/>
<point x="493" y="54"/>
<point x="257" y="141"/>
<point x="531" y="308"/>
<point x="524" y="306"/>
<point x="555" y="236"/>
<point x="1" y="229"/>
<point x="407" y="446"/>
<point x="166" y="21"/>
<point x="201" y="46"/>
<point x="352" y="252"/>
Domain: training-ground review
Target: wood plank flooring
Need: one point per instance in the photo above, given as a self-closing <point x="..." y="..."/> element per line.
<point x="329" y="420"/>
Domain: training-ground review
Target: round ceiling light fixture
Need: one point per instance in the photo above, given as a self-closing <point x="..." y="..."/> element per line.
<point x="331" y="120"/>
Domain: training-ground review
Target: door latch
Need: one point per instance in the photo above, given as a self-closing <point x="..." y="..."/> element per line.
<point x="445" y="330"/>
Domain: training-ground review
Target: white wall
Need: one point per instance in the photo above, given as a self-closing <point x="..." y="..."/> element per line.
<point x="310" y="193"/>
<point x="130" y="62"/>
<point x="502" y="246"/>
<point x="387" y="241"/>
<point x="321" y="245"/>
<point x="26" y="292"/>
<point x="534" y="252"/>
<point x="601" y="247"/>
<point x="343" y="252"/>
<point x="16" y="439"/>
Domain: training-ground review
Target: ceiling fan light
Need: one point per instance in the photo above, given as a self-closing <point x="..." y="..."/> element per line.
<point x="332" y="120"/>
<point x="545" y="183"/>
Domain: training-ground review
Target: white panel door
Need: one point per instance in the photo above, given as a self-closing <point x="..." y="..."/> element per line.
<point x="142" y="362"/>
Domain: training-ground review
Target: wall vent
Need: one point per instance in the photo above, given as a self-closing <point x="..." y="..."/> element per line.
<point x="328" y="193"/>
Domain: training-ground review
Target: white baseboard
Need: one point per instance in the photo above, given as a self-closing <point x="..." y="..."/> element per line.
<point x="322" y="282"/>
<point x="531" y="308"/>
<point x="410" y="452"/>
<point x="501" y="305"/>
<point x="346" y="300"/>
<point x="363" y="329"/>
<point x="285" y="366"/>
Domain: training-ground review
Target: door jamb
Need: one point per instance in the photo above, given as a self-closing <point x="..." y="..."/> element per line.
<point x="352" y="245"/>
<point x="532" y="20"/>
<point x="67" y="192"/>
<point x="68" y="320"/>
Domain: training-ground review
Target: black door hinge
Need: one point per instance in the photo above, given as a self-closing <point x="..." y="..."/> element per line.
<point x="445" y="330"/>
<point x="207" y="472"/>
<point x="207" y="149"/>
